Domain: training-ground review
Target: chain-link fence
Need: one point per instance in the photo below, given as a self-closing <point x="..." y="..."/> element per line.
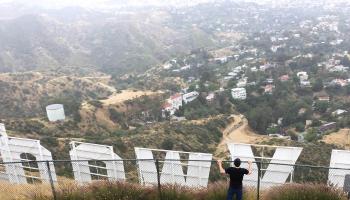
<point x="58" y="179"/>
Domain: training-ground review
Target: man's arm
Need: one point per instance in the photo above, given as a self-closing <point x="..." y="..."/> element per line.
<point x="222" y="171"/>
<point x="250" y="167"/>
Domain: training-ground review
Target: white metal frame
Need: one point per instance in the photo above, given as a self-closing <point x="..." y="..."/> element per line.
<point x="339" y="159"/>
<point x="88" y="151"/>
<point x="172" y="173"/>
<point x="274" y="174"/>
<point x="11" y="149"/>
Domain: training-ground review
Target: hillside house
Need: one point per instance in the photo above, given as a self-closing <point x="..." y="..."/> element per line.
<point x="210" y="97"/>
<point x="239" y="93"/>
<point x="268" y="89"/>
<point x="327" y="127"/>
<point x="284" y="78"/>
<point x="339" y="82"/>
<point x="173" y="103"/>
<point x="191" y="96"/>
<point x="305" y="83"/>
<point x="303" y="76"/>
<point x="324" y="98"/>
<point x="339" y="112"/>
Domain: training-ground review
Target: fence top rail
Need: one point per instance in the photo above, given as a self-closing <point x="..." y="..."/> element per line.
<point x="158" y="160"/>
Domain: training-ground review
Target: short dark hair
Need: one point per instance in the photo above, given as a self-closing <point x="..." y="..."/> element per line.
<point x="237" y="162"/>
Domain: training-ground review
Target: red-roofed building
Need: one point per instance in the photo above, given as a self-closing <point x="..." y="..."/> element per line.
<point x="284" y="78"/>
<point x="173" y="103"/>
<point x="268" y="89"/>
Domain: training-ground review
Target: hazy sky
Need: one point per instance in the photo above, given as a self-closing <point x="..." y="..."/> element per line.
<point x="60" y="2"/>
<point x="94" y="3"/>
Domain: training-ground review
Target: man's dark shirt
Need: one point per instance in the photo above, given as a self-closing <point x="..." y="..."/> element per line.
<point x="236" y="176"/>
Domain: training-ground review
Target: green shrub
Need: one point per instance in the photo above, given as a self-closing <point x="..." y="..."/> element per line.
<point x="303" y="192"/>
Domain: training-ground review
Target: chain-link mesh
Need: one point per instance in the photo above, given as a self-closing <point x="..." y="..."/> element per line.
<point x="68" y="179"/>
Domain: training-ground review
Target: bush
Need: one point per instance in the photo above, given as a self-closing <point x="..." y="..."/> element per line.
<point x="304" y="192"/>
<point x="128" y="191"/>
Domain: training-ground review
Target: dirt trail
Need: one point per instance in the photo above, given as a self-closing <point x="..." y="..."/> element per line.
<point x="238" y="131"/>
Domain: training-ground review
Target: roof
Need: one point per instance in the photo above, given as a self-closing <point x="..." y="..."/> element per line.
<point x="175" y="96"/>
<point x="54" y="107"/>
<point x="167" y="105"/>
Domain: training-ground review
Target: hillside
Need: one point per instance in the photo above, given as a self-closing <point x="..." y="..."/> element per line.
<point x="27" y="94"/>
<point x="109" y="42"/>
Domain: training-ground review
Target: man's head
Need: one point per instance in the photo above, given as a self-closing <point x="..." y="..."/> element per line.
<point x="237" y="162"/>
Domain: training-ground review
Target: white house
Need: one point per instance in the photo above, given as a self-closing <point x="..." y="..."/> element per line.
<point x="210" y="97"/>
<point x="305" y="83"/>
<point x="239" y="93"/>
<point x="188" y="97"/>
<point x="303" y="76"/>
<point x="173" y="103"/>
<point x="242" y="82"/>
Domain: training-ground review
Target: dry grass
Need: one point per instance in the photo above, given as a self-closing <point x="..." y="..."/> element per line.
<point x="69" y="190"/>
<point x="340" y="138"/>
<point x="304" y="192"/>
<point x="24" y="191"/>
<point x="125" y="95"/>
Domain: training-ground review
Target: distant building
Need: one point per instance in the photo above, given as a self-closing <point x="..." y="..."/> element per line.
<point x="327" y="127"/>
<point x="339" y="82"/>
<point x="253" y="69"/>
<point x="276" y="135"/>
<point x="339" y="112"/>
<point x="239" y="93"/>
<point x="186" y="67"/>
<point x="305" y="83"/>
<point x="221" y="60"/>
<point x="242" y="83"/>
<point x="284" y="78"/>
<point x="55" y="112"/>
<point x="268" y="89"/>
<point x="167" y="65"/>
<point x="269" y="80"/>
<point x="339" y="68"/>
<point x="173" y="103"/>
<point x="210" y="97"/>
<point x="188" y="97"/>
<point x="303" y="76"/>
<point x="323" y="98"/>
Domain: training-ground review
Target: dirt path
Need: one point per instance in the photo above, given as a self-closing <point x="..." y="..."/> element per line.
<point x="239" y="132"/>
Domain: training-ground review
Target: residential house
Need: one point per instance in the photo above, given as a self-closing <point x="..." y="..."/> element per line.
<point x="340" y="82"/>
<point x="327" y="127"/>
<point x="339" y="112"/>
<point x="188" y="97"/>
<point x="173" y="103"/>
<point x="324" y="98"/>
<point x="305" y="83"/>
<point x="268" y="89"/>
<point x="239" y="93"/>
<point x="242" y="82"/>
<point x="303" y="76"/>
<point x="210" y="97"/>
<point x="284" y="78"/>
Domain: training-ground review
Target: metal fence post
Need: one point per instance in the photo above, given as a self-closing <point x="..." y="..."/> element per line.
<point x="158" y="180"/>
<point x="51" y="180"/>
<point x="259" y="175"/>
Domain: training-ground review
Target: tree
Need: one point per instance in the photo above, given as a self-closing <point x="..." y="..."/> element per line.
<point x="300" y="127"/>
<point x="259" y="118"/>
<point x="311" y="135"/>
<point x="321" y="106"/>
<point x="318" y="85"/>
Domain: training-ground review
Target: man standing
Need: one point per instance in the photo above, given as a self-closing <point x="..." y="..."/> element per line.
<point x="236" y="177"/>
